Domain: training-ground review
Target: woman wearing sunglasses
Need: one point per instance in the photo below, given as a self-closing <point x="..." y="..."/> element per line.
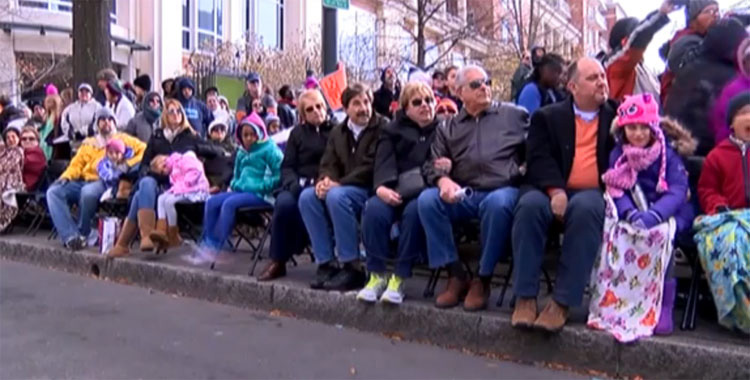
<point x="175" y="136"/>
<point x="11" y="179"/>
<point x="302" y="155"/>
<point x="402" y="150"/>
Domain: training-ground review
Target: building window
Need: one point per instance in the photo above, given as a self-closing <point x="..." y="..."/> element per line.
<point x="264" y="19"/>
<point x="61" y="6"/>
<point x="451" y="6"/>
<point x="202" y="24"/>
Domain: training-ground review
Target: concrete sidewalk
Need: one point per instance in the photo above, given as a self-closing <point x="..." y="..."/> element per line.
<point x="709" y="352"/>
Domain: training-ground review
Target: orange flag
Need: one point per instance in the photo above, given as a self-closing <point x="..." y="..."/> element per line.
<point x="333" y="85"/>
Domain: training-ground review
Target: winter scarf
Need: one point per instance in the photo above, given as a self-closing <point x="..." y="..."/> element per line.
<point x="149" y="113"/>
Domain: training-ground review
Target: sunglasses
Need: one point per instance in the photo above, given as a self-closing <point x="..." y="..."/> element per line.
<point x="173" y="111"/>
<point x="476" y="84"/>
<point x="443" y="110"/>
<point x="418" y="101"/>
<point x="28" y="138"/>
<point x="318" y="106"/>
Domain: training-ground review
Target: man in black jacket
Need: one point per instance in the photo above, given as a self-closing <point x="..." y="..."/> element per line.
<point x="483" y="145"/>
<point x="567" y="151"/>
<point x="343" y="185"/>
<point x="388" y="93"/>
<point x="299" y="171"/>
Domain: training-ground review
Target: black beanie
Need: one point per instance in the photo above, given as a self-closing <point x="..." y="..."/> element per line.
<point x="144" y="82"/>
<point x="622" y="29"/>
<point x="736" y="104"/>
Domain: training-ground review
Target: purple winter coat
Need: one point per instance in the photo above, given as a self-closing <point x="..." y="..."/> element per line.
<point x="671" y="203"/>
<point x="719" y="125"/>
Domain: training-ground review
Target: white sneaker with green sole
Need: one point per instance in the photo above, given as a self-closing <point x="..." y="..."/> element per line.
<point x="394" y="293"/>
<point x="373" y="289"/>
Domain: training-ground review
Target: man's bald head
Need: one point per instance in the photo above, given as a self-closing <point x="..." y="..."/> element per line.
<point x="587" y="81"/>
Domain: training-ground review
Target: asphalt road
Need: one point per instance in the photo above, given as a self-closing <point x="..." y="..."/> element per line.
<point x="58" y="325"/>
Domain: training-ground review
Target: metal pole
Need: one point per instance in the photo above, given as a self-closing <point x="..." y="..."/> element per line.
<point x="329" y="40"/>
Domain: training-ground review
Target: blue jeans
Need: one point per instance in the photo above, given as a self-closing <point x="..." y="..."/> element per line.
<point x="218" y="220"/>
<point x="288" y="234"/>
<point x="144" y="198"/>
<point x="583" y="219"/>
<point x="344" y="205"/>
<point x="377" y="221"/>
<point x="59" y="198"/>
<point x="495" y="213"/>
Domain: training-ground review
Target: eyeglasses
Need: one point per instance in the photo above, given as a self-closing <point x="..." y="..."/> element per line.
<point x="418" y="101"/>
<point x="476" y="84"/>
<point x="173" y="111"/>
<point x="31" y="138"/>
<point x="312" y="108"/>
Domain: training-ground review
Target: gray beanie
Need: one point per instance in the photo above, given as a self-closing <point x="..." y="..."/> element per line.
<point x="695" y="7"/>
<point x="105" y="113"/>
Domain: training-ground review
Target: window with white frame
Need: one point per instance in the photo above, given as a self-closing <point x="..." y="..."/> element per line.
<point x="264" y="19"/>
<point x="202" y="24"/>
<point x="61" y="6"/>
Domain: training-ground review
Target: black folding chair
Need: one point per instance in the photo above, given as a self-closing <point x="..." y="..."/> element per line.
<point x="258" y="218"/>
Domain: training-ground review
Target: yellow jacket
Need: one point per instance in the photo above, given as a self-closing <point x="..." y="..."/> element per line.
<point x="84" y="164"/>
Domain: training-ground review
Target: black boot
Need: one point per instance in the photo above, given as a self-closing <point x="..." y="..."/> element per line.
<point x="349" y="278"/>
<point x="324" y="273"/>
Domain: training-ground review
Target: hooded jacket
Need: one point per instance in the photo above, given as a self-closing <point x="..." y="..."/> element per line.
<point x="302" y="156"/>
<point x="696" y="87"/>
<point x="219" y="169"/>
<point x="198" y="114"/>
<point x="403" y="146"/>
<point x="257" y="169"/>
<point x="674" y="201"/>
<point x="185" y="140"/>
<point x="77" y="119"/>
<point x="124" y="111"/>
<point x="487" y="151"/>
<point x="145" y="122"/>
<point x="84" y="166"/>
<point x="725" y="177"/>
<point x="109" y="172"/>
<point x="625" y="72"/>
<point x="349" y="161"/>
<point x="741" y="83"/>
<point x="186" y="174"/>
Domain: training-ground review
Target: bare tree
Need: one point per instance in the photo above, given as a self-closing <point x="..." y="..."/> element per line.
<point x="92" y="49"/>
<point x="420" y="14"/>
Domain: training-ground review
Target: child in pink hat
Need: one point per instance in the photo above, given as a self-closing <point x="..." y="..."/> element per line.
<point x="647" y="193"/>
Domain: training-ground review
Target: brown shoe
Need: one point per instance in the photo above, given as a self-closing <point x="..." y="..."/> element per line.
<point x="121" y="248"/>
<point x="552" y="318"/>
<point x="524" y="314"/>
<point x="146" y="221"/>
<point x="173" y="232"/>
<point x="452" y="294"/>
<point x="159" y="235"/>
<point x="477" y="297"/>
<point x="273" y="271"/>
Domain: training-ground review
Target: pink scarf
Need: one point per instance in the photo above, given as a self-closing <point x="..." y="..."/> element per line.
<point x="625" y="172"/>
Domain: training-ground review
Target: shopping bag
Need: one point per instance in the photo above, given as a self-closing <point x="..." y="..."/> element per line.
<point x="109" y="230"/>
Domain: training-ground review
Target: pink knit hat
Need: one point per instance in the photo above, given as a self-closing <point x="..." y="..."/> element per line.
<point x="644" y="109"/>
<point x="117" y="145"/>
<point x="51" y="89"/>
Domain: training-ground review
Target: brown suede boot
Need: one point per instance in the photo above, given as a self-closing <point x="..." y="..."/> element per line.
<point x="452" y="294"/>
<point x="477" y="297"/>
<point x="159" y="235"/>
<point x="127" y="233"/>
<point x="552" y="318"/>
<point x="173" y="232"/>
<point x="146" y="221"/>
<point x="524" y="314"/>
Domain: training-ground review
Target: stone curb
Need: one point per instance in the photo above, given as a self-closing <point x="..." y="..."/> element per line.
<point x="491" y="333"/>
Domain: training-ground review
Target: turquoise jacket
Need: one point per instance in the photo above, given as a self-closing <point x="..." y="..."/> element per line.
<point x="258" y="170"/>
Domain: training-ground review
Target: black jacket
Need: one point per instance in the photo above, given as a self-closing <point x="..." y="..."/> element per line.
<point x="551" y="144"/>
<point x="287" y="115"/>
<point x="183" y="142"/>
<point x="302" y="155"/>
<point x="382" y="99"/>
<point x="351" y="162"/>
<point x="403" y="145"/>
<point x="220" y="168"/>
<point x="487" y="151"/>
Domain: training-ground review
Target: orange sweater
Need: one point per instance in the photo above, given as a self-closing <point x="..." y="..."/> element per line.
<point x="585" y="174"/>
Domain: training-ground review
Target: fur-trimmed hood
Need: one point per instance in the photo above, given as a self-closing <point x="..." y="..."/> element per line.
<point x="678" y="137"/>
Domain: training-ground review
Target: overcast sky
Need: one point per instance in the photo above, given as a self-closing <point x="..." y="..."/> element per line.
<point x="641" y="8"/>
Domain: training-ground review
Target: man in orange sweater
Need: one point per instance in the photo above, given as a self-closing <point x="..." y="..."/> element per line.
<point x="567" y="151"/>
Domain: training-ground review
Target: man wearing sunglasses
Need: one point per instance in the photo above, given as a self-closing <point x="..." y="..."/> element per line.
<point x="567" y="151"/>
<point x="482" y="149"/>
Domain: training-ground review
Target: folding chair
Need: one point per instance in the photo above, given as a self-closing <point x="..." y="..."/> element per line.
<point x="190" y="219"/>
<point x="258" y="218"/>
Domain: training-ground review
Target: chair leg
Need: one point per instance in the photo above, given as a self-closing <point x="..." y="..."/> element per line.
<point x="258" y="250"/>
<point x="506" y="282"/>
<point x="548" y="280"/>
<point x="428" y="288"/>
<point x="688" y="317"/>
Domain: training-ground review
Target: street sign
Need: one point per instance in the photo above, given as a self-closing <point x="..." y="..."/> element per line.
<point x="336" y="4"/>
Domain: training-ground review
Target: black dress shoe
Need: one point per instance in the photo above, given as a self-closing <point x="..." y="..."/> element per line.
<point x="273" y="271"/>
<point x="346" y="280"/>
<point x="324" y="273"/>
